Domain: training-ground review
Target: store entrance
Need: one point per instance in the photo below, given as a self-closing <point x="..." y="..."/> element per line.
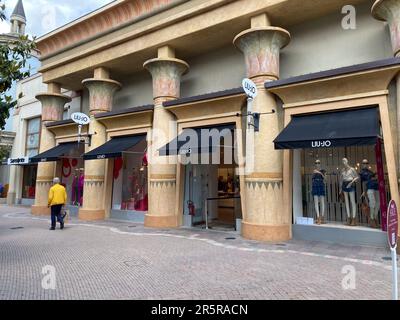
<point x="211" y="194"/>
<point x="212" y="197"/>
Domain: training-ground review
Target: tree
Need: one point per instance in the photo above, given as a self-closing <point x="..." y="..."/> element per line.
<point x="5" y="152"/>
<point x="14" y="55"/>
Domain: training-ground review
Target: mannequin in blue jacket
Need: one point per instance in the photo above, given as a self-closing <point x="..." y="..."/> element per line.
<point x="319" y="191"/>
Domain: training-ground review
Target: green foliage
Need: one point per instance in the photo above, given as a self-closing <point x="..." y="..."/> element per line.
<point x="5" y="152"/>
<point x="13" y="67"/>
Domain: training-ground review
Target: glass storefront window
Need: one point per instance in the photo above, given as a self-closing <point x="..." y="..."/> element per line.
<point x="29" y="181"/>
<point x="130" y="183"/>
<point x="327" y="195"/>
<point x="32" y="137"/>
<point x="31" y="150"/>
<point x="72" y="175"/>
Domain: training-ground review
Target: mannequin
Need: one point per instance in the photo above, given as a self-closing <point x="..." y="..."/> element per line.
<point x="348" y="178"/>
<point x="370" y="189"/>
<point x="318" y="191"/>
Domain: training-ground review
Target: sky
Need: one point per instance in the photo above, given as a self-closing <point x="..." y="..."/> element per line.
<point x="44" y="16"/>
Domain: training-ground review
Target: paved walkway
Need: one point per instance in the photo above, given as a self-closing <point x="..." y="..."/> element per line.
<point x="122" y="260"/>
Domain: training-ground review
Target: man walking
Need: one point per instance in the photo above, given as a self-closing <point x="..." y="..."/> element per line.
<point x="57" y="198"/>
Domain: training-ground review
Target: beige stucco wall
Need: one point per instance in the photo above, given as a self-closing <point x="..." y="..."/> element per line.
<point x="29" y="107"/>
<point x="136" y="91"/>
<point x="322" y="44"/>
<point x="220" y="69"/>
<point x="316" y="45"/>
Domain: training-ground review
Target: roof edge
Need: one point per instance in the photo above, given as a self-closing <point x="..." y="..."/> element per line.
<point x="377" y="64"/>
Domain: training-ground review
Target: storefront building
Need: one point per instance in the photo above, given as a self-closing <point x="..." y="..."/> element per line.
<point x="326" y="109"/>
<point x="28" y="127"/>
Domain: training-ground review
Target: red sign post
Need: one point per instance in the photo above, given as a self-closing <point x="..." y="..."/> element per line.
<point x="392" y="233"/>
<point x="392" y="224"/>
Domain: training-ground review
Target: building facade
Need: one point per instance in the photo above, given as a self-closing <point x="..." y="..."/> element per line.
<point x="153" y="74"/>
<point x="27" y="125"/>
<point x="7" y="136"/>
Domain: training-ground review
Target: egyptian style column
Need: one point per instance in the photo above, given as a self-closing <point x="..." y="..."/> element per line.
<point x="389" y="10"/>
<point x="263" y="218"/>
<point x="101" y="92"/>
<point x="53" y="103"/>
<point x="166" y="71"/>
<point x="17" y="151"/>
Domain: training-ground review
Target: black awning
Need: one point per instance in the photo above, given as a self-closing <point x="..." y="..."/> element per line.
<point x="56" y="153"/>
<point x="194" y="140"/>
<point x="114" y="148"/>
<point x="331" y="129"/>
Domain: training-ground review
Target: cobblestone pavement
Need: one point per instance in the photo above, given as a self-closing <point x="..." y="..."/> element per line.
<point x="122" y="260"/>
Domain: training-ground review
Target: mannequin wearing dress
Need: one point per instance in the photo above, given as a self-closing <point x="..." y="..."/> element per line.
<point x="370" y="188"/>
<point x="348" y="179"/>
<point x="318" y="191"/>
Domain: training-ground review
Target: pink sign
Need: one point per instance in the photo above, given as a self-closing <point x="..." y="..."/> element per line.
<point x="392" y="224"/>
<point x="381" y="180"/>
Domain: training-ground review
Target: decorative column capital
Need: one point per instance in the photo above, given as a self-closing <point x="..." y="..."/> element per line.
<point x="389" y="10"/>
<point x="261" y="48"/>
<point x="52" y="105"/>
<point x="101" y="93"/>
<point x="166" y="73"/>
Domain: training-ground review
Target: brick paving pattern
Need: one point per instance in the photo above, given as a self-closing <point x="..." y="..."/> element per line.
<point x="123" y="260"/>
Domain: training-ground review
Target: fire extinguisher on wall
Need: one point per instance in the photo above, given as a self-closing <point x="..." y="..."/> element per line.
<point x="191" y="208"/>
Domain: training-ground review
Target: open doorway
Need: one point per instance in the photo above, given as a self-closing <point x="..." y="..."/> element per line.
<point x="212" y="185"/>
<point x="212" y="197"/>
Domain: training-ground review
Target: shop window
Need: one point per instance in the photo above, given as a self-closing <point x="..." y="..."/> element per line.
<point x="29" y="181"/>
<point x="32" y="137"/>
<point x="328" y="197"/>
<point x="72" y="175"/>
<point x="31" y="150"/>
<point x="130" y="182"/>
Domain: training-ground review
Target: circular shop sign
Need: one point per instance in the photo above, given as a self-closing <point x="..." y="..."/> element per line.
<point x="80" y="118"/>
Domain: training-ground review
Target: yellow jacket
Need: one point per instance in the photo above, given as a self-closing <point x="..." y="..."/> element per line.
<point x="57" y="195"/>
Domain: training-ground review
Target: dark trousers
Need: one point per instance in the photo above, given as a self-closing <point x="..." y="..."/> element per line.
<point x="56" y="214"/>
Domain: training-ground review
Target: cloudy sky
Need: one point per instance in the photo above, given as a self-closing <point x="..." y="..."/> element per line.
<point x="45" y="15"/>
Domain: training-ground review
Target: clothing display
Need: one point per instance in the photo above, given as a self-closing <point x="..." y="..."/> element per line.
<point x="348" y="176"/>
<point x="368" y="176"/>
<point x="340" y="186"/>
<point x="345" y="187"/>
<point x="130" y="183"/>
<point x="318" y="183"/>
<point x="77" y="190"/>
<point x="370" y="187"/>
